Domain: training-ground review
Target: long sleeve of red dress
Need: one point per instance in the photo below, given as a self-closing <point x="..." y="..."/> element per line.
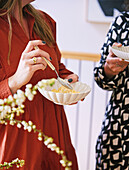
<point x="46" y="115"/>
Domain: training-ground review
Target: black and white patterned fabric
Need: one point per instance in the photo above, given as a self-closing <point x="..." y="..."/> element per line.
<point x="112" y="148"/>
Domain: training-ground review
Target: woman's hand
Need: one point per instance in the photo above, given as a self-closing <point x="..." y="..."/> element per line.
<point x="31" y="60"/>
<point x="113" y="64"/>
<point x="72" y="78"/>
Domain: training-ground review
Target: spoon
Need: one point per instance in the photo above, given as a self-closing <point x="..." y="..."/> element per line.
<point x="61" y="81"/>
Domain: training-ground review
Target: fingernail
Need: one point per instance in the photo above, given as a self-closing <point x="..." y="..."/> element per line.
<point x="70" y="80"/>
<point x="50" y="58"/>
<point x="43" y="42"/>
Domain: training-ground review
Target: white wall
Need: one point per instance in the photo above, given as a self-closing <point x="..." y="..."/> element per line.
<point x="74" y="33"/>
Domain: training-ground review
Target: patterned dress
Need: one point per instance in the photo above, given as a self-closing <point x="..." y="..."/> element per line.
<point x="112" y="149"/>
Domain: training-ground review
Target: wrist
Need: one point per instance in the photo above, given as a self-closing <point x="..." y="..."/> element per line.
<point x="13" y="84"/>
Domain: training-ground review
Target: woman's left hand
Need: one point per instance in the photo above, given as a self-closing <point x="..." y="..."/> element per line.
<point x="72" y="78"/>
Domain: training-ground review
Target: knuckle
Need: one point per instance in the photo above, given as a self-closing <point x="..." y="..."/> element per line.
<point x="23" y="56"/>
<point x="113" y="69"/>
<point x="29" y="68"/>
<point x="37" y="52"/>
<point x="30" y="43"/>
<point x="25" y="63"/>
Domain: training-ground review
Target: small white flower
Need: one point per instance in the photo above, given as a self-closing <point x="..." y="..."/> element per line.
<point x="14" y="109"/>
<point x="15" y="96"/>
<point x="30" y="123"/>
<point x="49" y="145"/>
<point x="57" y="150"/>
<point x="12" y="116"/>
<point x="40" y="134"/>
<point x="19" y="125"/>
<point x="25" y="127"/>
<point x="5" y="100"/>
<point x="19" y="101"/>
<point x="21" y="111"/>
<point x="61" y="152"/>
<point x="69" y="163"/>
<point x="29" y="86"/>
<point x="27" y="92"/>
<point x="34" y="126"/>
<point x="67" y="168"/>
<point x="1" y="108"/>
<point x="35" y="87"/>
<point x="30" y="97"/>
<point x="1" y="101"/>
<point x="40" y="138"/>
<point x="13" y="104"/>
<point x="11" y="122"/>
<point x="29" y="128"/>
<point x="20" y="93"/>
<point x="10" y="98"/>
<point x="63" y="163"/>
<point x="34" y="92"/>
<point x="7" y="109"/>
<point x="22" y="106"/>
<point x="53" y="146"/>
<point x="40" y="84"/>
<point x="3" y="114"/>
<point x="23" y="123"/>
<point x="48" y="140"/>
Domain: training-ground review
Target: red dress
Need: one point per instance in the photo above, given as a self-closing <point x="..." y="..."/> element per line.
<point x="48" y="117"/>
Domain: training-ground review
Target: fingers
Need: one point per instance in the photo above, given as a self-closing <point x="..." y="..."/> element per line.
<point x="31" y="44"/>
<point x="115" y="64"/>
<point x="37" y="53"/>
<point x="114" y="44"/>
<point x="37" y="60"/>
<point x="73" y="103"/>
<point x="117" y="44"/>
<point x="116" y="61"/>
<point x="32" y="57"/>
<point x="38" y="67"/>
<point x="72" y="78"/>
<point x="77" y="102"/>
<point x="113" y="60"/>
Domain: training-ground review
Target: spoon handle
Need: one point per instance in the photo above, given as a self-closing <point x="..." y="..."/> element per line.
<point x="49" y="63"/>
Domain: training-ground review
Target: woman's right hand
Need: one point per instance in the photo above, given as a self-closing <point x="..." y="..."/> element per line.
<point x="113" y="64"/>
<point x="27" y="65"/>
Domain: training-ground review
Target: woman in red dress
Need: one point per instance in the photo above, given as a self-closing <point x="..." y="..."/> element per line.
<point x="21" y="28"/>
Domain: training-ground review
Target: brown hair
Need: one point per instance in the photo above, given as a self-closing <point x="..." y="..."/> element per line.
<point x="41" y="28"/>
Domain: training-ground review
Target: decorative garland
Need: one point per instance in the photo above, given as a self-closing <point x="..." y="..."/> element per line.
<point x="17" y="162"/>
<point x="13" y="105"/>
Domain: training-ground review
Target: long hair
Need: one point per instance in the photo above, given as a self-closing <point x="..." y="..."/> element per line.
<point x="41" y="28"/>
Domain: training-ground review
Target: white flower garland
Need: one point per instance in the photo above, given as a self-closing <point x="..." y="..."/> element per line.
<point x="13" y="105"/>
